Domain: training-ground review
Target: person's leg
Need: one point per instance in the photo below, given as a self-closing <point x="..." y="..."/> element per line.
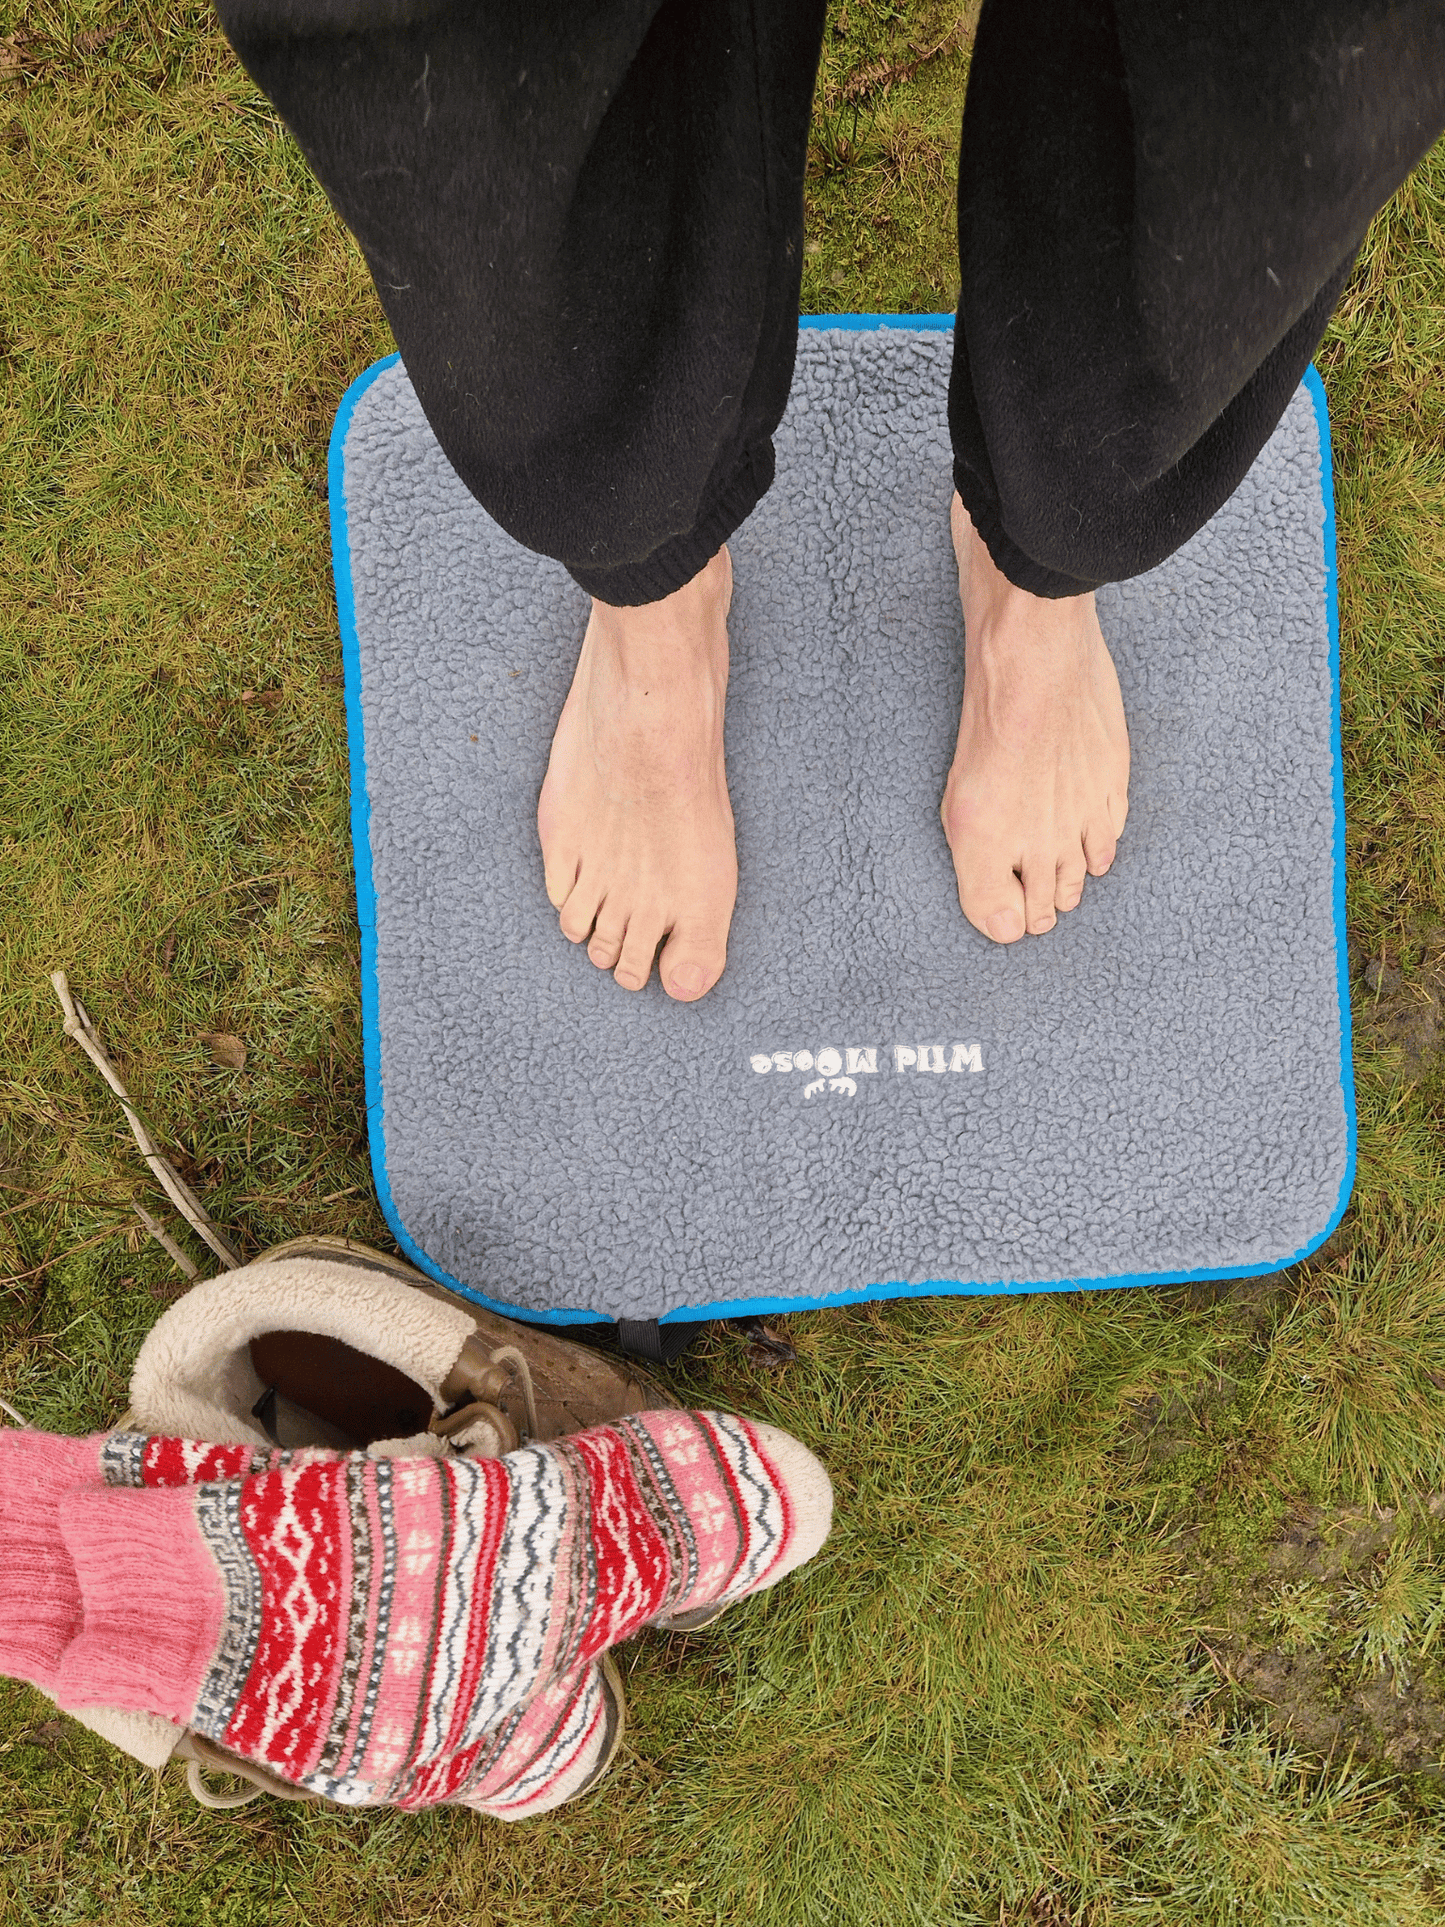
<point x="585" y="226"/>
<point x="1157" y="214"/>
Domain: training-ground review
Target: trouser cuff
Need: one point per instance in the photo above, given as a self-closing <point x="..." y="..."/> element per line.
<point x="681" y="557"/>
<point x="1008" y="558"/>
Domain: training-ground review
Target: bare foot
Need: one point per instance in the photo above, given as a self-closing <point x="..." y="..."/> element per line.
<point x="1039" y="787"/>
<point x="634" y="816"/>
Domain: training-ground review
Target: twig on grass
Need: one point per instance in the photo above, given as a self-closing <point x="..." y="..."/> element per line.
<point x="26" y="1204"/>
<point x="1219" y="1665"/>
<point x="884" y="75"/>
<point x="165" y="1241"/>
<point x="79" y="1026"/>
<point x="32" y="1198"/>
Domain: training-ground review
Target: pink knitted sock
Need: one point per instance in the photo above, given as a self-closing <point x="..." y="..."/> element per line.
<point x="39" y="1596"/>
<point x="370" y="1629"/>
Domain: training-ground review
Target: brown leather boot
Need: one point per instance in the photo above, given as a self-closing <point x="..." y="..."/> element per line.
<point x="322" y="1341"/>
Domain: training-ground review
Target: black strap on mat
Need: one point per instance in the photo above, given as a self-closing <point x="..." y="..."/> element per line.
<point x="657" y="1344"/>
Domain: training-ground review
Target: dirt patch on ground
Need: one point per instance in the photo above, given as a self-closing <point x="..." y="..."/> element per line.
<point x="1399" y="1006"/>
<point x="1303" y="1705"/>
<point x="1289" y="1642"/>
<point x="1338" y="1641"/>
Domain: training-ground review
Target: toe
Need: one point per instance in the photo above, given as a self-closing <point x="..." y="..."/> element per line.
<point x="561" y="874"/>
<point x="639" y="947"/>
<point x="1100" y="846"/>
<point x="1069" y="881"/>
<point x="607" y="939"/>
<point x="579" y="913"/>
<point x="996" y="908"/>
<point x="692" y="962"/>
<point x="989" y="891"/>
<point x="1040" y="882"/>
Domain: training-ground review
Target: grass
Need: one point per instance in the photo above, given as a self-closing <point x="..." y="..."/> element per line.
<point x="997" y="1699"/>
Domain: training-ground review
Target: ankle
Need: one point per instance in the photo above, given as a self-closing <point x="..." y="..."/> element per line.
<point x="1004" y="623"/>
<point x="677" y="640"/>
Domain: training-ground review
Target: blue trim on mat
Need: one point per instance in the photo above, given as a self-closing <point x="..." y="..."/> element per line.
<point x="860" y="1294"/>
<point x="1315" y="384"/>
<point x="366" y="882"/>
<point x="913" y="323"/>
<point x="361" y="806"/>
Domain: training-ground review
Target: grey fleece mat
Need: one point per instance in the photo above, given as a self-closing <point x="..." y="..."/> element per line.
<point x="875" y="1101"/>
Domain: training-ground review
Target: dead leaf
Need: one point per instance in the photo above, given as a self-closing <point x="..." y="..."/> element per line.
<point x="882" y="75"/>
<point x="766" y="1350"/>
<point x="10" y="57"/>
<point x="95" y="38"/>
<point x="226" y="1049"/>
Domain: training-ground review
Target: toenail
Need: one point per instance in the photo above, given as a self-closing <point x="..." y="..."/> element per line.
<point x="1003" y="926"/>
<point x="687" y="978"/>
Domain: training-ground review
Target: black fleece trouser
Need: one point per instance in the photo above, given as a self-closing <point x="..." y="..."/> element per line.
<point x="585" y="223"/>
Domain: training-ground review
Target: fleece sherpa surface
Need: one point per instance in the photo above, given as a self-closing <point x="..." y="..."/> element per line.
<point x="875" y="1100"/>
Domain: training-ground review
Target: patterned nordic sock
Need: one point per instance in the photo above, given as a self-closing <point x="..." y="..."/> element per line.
<point x="545" y="1754"/>
<point x="40" y="1605"/>
<point x="550" y="1751"/>
<point x="388" y="1631"/>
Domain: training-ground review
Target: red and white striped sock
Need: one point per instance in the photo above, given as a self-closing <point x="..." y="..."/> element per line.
<point x="549" y="1751"/>
<point x="418" y="1631"/>
<point x="543" y="1755"/>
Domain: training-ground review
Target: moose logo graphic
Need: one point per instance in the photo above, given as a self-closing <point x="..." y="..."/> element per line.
<point x="839" y="1071"/>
